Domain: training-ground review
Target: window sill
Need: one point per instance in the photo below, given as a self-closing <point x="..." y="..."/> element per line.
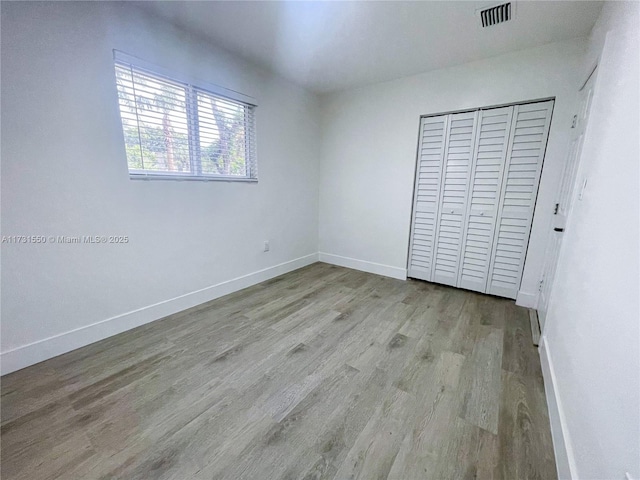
<point x="191" y="178"/>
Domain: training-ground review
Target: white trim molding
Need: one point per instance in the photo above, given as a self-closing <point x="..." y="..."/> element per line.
<point x="526" y="299"/>
<point x="363" y="265"/>
<point x="565" y="460"/>
<point x="41" y="350"/>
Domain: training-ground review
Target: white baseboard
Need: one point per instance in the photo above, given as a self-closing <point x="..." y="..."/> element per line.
<point x="565" y="461"/>
<point x="363" y="265"/>
<point x="526" y="299"/>
<point x="44" y="349"/>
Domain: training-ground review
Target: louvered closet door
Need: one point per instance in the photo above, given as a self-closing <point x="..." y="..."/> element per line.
<point x="528" y="141"/>
<point x="453" y="197"/>
<point x="426" y="195"/>
<point x="492" y="140"/>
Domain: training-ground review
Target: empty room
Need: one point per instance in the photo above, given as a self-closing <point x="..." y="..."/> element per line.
<point x="320" y="240"/>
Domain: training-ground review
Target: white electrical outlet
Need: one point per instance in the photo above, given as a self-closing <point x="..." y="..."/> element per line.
<point x="266" y="246"/>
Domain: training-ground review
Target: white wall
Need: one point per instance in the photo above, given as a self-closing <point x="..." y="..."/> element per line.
<point x="64" y="172"/>
<point x="592" y="334"/>
<point x="370" y="139"/>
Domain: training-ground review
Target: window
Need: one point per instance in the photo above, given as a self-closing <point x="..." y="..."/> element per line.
<point x="175" y="129"/>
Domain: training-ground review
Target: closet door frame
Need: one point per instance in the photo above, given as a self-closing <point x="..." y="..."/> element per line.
<point x="534" y="204"/>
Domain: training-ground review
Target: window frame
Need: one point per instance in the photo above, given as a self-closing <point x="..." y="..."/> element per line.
<point x="192" y="87"/>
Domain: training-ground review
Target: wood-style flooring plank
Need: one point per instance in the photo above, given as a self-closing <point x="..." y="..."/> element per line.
<point x="524" y="436"/>
<point x="481" y="389"/>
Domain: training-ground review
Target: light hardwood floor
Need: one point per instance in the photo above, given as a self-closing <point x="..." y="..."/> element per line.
<point x="321" y="373"/>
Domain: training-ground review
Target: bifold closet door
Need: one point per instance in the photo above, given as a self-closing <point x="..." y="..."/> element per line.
<point x="492" y="140"/>
<point x="431" y="148"/>
<point x="476" y="186"/>
<point x="453" y="197"/>
<point x="530" y="128"/>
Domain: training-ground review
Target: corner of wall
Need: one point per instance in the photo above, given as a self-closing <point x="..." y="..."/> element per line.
<point x="363" y="265"/>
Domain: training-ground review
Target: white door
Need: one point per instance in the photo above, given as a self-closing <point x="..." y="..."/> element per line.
<point x="527" y="144"/>
<point x="565" y="197"/>
<point x="477" y="177"/>
<point x="453" y="197"/>
<point x="426" y="195"/>
<point x="492" y="139"/>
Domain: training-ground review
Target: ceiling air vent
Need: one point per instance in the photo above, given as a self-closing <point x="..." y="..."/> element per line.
<point x="494" y="15"/>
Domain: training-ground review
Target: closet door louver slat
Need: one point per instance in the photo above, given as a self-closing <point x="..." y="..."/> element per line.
<point x="517" y="200"/>
<point x="426" y="196"/>
<point x="492" y="139"/>
<point x="453" y="197"/>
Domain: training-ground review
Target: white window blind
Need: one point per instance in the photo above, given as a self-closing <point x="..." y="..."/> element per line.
<point x="176" y="129"/>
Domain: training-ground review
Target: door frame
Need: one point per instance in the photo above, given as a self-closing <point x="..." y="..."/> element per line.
<point x="592" y="71"/>
<point x="489" y="107"/>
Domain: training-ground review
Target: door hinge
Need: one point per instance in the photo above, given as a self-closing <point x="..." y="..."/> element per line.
<point x="555" y="209"/>
<point x="540" y="285"/>
<point x="574" y="122"/>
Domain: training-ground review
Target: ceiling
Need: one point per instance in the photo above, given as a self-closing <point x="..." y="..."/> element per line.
<point x="328" y="46"/>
